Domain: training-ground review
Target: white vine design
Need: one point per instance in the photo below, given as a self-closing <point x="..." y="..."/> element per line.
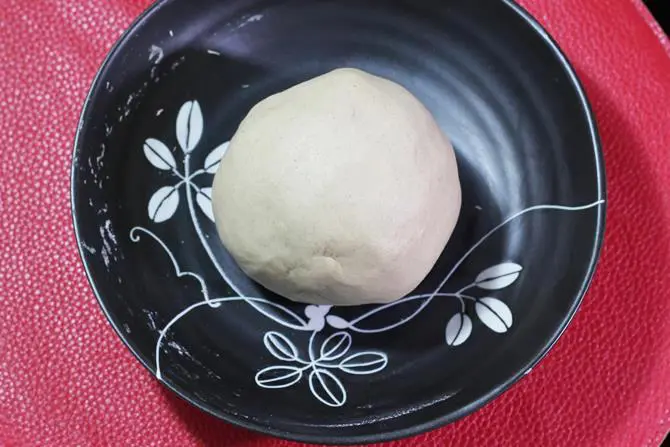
<point x="335" y="354"/>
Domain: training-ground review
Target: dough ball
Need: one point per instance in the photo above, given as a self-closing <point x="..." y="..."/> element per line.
<point x="341" y="190"/>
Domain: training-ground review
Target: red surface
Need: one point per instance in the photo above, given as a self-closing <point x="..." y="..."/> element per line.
<point x="66" y="379"/>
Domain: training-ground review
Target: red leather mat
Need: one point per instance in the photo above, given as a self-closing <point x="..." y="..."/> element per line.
<point x="66" y="379"/>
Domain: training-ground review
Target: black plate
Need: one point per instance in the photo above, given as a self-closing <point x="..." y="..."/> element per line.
<point x="174" y="89"/>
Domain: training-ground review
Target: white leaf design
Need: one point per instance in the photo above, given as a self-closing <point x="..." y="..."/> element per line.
<point x="159" y="155"/>
<point x="337" y="322"/>
<point x="278" y="376"/>
<point x="189" y="125"/>
<point x="204" y="199"/>
<point x="280" y="346"/>
<point x="494" y="313"/>
<point x="213" y="160"/>
<point x="499" y="276"/>
<point x="367" y="362"/>
<point x="163" y="204"/>
<point x="458" y="329"/>
<point x="327" y="388"/>
<point x="335" y="346"/>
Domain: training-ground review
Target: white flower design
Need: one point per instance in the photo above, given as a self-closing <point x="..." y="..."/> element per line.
<point x="324" y="385"/>
<point x="336" y="353"/>
<point x="164" y="202"/>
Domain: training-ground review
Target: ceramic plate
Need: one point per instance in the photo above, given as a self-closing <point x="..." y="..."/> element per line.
<point x="157" y="121"/>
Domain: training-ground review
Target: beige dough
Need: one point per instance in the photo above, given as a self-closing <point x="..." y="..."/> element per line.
<point x="341" y="190"/>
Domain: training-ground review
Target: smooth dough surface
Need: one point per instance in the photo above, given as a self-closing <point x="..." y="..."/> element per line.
<point x="340" y="190"/>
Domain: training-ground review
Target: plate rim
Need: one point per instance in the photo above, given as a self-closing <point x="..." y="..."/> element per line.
<point x="390" y="435"/>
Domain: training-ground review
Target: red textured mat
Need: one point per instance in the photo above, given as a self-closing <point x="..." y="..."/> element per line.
<point x="66" y="379"/>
